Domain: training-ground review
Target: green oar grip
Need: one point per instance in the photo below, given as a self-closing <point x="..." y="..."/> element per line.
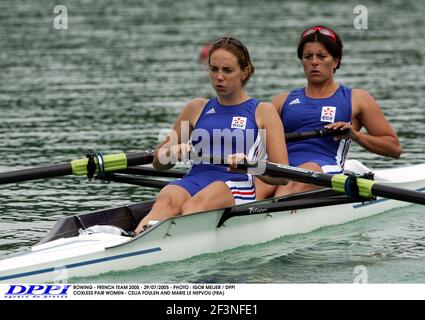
<point x="365" y="186"/>
<point x="113" y="162"/>
<point x="338" y="183"/>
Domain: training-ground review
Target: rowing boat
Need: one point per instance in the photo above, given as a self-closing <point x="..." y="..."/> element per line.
<point x="74" y="249"/>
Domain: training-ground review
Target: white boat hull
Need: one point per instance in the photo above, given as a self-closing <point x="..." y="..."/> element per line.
<point x="186" y="236"/>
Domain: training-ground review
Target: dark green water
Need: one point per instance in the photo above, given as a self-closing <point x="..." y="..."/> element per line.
<point x="123" y="70"/>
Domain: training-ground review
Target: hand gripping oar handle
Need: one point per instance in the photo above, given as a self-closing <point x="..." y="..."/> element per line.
<point x="111" y="163"/>
<point x="289" y="137"/>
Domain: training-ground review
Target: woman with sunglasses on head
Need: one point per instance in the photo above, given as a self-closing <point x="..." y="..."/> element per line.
<point x="229" y="126"/>
<point x="326" y="103"/>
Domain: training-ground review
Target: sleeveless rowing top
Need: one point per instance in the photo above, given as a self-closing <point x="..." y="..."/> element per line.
<point x="301" y="113"/>
<point x="222" y="130"/>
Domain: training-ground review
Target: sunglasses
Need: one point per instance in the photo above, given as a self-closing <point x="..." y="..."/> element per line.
<point x="225" y="41"/>
<point x="322" y="30"/>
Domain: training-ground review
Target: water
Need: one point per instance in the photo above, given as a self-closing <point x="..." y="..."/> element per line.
<point x="122" y="71"/>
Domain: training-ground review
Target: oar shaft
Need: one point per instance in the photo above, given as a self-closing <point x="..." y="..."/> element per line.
<point x="385" y="191"/>
<point x="299" y="174"/>
<point x="147" y="171"/>
<point x="150" y="183"/>
<point x="111" y="163"/>
<point x="51" y="171"/>
<point x="345" y="184"/>
<point x="140" y="158"/>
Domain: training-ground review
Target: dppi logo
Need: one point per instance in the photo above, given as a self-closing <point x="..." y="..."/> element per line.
<point x="37" y="291"/>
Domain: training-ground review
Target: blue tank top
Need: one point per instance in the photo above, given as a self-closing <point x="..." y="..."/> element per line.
<point x="301" y="113"/>
<point x="222" y="130"/>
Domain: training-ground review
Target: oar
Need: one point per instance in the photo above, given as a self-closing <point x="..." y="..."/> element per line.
<point x="350" y="185"/>
<point x="289" y="137"/>
<point x="106" y="163"/>
<point x="150" y="183"/>
<point x="318" y="132"/>
<point x="120" y="161"/>
<point x="148" y="171"/>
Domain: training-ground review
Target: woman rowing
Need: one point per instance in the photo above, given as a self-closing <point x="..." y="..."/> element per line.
<point x="326" y="103"/>
<point x="231" y="125"/>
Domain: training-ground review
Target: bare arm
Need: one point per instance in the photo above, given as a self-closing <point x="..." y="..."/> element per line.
<point x="279" y="100"/>
<point x="268" y="119"/>
<point x="175" y="146"/>
<point x="380" y="137"/>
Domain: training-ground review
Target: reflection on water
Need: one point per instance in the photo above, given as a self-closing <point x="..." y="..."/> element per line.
<point x="122" y="72"/>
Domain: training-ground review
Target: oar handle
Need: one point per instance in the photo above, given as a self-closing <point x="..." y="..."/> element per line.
<point x="318" y="132"/>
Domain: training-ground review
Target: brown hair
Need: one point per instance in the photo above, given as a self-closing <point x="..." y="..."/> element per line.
<point x="333" y="46"/>
<point x="239" y="50"/>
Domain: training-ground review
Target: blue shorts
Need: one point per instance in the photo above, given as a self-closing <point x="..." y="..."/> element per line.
<point x="328" y="165"/>
<point x="200" y="176"/>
